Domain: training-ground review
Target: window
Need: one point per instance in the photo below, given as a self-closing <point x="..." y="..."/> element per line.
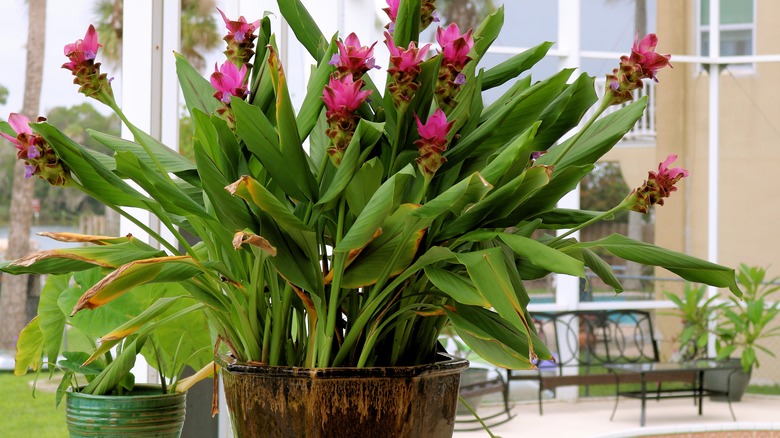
<point x="737" y="28"/>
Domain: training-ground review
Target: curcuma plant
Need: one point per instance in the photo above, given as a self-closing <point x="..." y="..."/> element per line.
<point x="351" y="230"/>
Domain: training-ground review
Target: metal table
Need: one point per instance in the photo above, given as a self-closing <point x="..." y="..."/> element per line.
<point x="647" y="371"/>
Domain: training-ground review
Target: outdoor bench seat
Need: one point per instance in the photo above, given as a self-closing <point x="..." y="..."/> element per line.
<point x="583" y="341"/>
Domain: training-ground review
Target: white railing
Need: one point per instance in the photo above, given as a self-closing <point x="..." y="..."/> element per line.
<point x="644" y="130"/>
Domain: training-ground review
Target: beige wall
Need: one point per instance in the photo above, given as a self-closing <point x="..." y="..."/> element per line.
<point x="749" y="201"/>
<point x="749" y="144"/>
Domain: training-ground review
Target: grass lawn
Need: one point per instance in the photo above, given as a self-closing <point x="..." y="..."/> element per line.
<point x="24" y="415"/>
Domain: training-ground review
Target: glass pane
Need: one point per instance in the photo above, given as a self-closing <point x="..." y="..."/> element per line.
<point x="732" y="43"/>
<point x="731" y="11"/>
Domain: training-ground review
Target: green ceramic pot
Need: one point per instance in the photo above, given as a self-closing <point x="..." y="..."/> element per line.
<point x="397" y="402"/>
<point x="145" y="412"/>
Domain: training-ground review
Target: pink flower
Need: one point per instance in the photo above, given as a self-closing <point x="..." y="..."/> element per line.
<point x="21" y="125"/>
<point x="342" y="96"/>
<point x="432" y="142"/>
<point x="82" y="50"/>
<point x="392" y="9"/>
<point x="407" y="60"/>
<point x="353" y="57"/>
<point x="659" y="185"/>
<point x="239" y="30"/>
<point x="228" y="80"/>
<point x="454" y="46"/>
<point x="643" y="63"/>
<point x="643" y="54"/>
<point x="434" y="132"/>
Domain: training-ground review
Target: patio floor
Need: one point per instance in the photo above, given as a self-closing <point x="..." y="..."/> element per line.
<point x="666" y="418"/>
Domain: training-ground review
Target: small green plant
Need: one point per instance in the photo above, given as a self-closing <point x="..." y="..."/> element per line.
<point x="747" y="323"/>
<point x="696" y="311"/>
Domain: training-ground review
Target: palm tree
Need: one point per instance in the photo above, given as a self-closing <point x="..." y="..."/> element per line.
<point x="198" y="30"/>
<point x="13" y="297"/>
<point x="466" y="13"/>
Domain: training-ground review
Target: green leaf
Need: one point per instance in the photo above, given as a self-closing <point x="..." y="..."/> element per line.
<point x="90" y="172"/>
<point x="51" y="320"/>
<point x="543" y="256"/>
<point x="602" y="269"/>
<point x="688" y="267"/>
<point x="363" y="185"/>
<point x="29" y="348"/>
<point x="136" y="273"/>
<point x="365" y="137"/>
<point x="198" y="92"/>
<point x="117" y="371"/>
<point x="65" y="260"/>
<point x="514" y="66"/>
<point x="397" y="231"/>
<point x="382" y="204"/>
<point x="312" y="103"/>
<point x="302" y="24"/>
<point x="599" y="138"/>
<point x="173" y="161"/>
<point x="170" y="197"/>
<point x="262" y="140"/>
<point x="458" y="287"/>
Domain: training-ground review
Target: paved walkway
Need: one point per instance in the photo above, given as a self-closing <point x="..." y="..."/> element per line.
<point x="666" y="418"/>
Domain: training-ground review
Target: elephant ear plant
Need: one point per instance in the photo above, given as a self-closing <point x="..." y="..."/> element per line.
<point x="349" y="231"/>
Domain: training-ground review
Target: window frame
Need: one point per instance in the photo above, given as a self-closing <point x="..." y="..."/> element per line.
<point x="746" y="68"/>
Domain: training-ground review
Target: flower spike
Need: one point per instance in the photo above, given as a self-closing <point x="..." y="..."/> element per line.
<point x="643" y="63"/>
<point x="81" y="55"/>
<point x="659" y="185"/>
<point x="39" y="158"/>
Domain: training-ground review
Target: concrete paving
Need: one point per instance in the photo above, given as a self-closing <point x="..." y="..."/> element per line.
<point x="590" y="418"/>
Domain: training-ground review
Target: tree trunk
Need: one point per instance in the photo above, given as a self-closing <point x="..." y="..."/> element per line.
<point x="13" y="297"/>
<point x="640" y="17"/>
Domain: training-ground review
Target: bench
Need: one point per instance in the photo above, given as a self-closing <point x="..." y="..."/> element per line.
<point x="583" y="341"/>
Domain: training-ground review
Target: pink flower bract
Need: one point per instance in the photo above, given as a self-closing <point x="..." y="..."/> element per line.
<point x="454" y="46"/>
<point x="82" y="50"/>
<point x="228" y="80"/>
<point x="239" y="29"/>
<point x="406" y="60"/>
<point x="342" y="96"/>
<point x="434" y="131"/>
<point x="643" y="54"/>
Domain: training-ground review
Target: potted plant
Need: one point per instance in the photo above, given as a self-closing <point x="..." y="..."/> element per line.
<point x="336" y="240"/>
<point x="102" y="397"/>
<point x="742" y="328"/>
<point x="697" y="312"/>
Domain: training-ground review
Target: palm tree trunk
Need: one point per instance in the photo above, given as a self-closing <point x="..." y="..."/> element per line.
<point x="13" y="297"/>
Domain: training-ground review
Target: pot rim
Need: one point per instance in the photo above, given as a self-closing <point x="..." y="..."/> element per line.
<point x="142" y="396"/>
<point x="446" y="364"/>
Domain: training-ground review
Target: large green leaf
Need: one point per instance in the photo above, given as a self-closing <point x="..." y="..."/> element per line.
<point x="688" y="267"/>
<point x="130" y="275"/>
<point x="65" y="260"/>
<point x="50" y="316"/>
<point x="29" y="348"/>
<point x="262" y="140"/>
<point x="198" y="92"/>
<point x="599" y="138"/>
<point x="382" y="204"/>
<point x="116" y="373"/>
<point x="173" y="161"/>
<point x="458" y="287"/>
<point x="393" y="250"/>
<point x="517" y="115"/>
<point x="514" y="66"/>
<point x="94" y="177"/>
<point x="365" y="137"/>
<point x="312" y="103"/>
<point x="543" y="256"/>
<point x="303" y="25"/>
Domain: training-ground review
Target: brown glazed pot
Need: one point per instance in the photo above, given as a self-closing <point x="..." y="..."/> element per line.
<point x="392" y="402"/>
